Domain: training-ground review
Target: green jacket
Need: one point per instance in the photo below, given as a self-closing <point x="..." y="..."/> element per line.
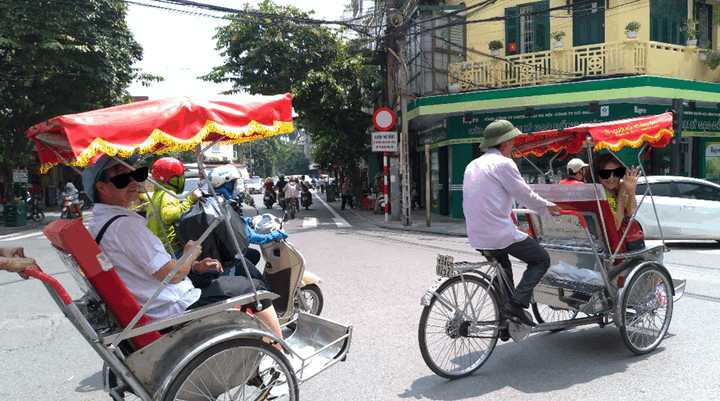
<point x="170" y="210"/>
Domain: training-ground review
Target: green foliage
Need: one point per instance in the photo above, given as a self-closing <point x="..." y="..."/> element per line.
<point x="58" y="59"/>
<point x="632" y="26"/>
<point x="557" y="35"/>
<point x="274" y="156"/>
<point x="331" y="79"/>
<point x="495" y="45"/>
<point x="690" y="28"/>
<point x="713" y="59"/>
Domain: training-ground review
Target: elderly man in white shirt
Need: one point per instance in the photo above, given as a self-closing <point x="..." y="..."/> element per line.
<point x="140" y="257"/>
<point x="491" y="183"/>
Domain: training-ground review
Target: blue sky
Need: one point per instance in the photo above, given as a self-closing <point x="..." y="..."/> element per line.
<point x="180" y="47"/>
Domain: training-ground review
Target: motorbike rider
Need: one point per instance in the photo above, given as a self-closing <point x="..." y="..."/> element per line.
<point x="491" y="183"/>
<point x="165" y="210"/>
<point x="72" y="192"/>
<point x="269" y="189"/>
<point x="305" y="188"/>
<point x="280" y="187"/>
<point x="292" y="191"/>
<point x="224" y="180"/>
<point x="576" y="172"/>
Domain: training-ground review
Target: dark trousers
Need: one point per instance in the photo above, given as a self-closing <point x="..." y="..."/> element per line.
<point x="537" y="259"/>
<point x="347" y="199"/>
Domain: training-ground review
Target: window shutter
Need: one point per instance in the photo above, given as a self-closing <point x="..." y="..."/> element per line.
<point x="541" y="24"/>
<point x="512" y="30"/>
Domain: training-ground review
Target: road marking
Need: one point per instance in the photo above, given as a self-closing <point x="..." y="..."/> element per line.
<point x="340" y="222"/>
<point x="19" y="237"/>
<point x="310" y="222"/>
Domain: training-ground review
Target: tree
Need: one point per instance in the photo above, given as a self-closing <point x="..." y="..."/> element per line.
<point x="331" y="79"/>
<point x="58" y="58"/>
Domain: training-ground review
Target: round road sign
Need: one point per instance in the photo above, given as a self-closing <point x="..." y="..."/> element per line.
<point x="384" y="119"/>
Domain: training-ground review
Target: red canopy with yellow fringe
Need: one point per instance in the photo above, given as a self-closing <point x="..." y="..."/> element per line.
<point x="655" y="130"/>
<point x="159" y="126"/>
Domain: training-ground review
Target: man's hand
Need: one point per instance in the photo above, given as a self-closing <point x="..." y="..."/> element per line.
<point x="554" y="210"/>
<point x="197" y="194"/>
<point x="207" y="265"/>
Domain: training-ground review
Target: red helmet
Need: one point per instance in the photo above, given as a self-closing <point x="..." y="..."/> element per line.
<point x="164" y="169"/>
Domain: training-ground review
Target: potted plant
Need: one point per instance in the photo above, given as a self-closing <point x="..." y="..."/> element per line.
<point x="631" y="29"/>
<point x="691" y="30"/>
<point x="712" y="59"/>
<point x="495" y="46"/>
<point x="557" y="39"/>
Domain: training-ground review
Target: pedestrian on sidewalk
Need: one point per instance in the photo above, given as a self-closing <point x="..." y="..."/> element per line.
<point x="346" y="194"/>
<point x="491" y="183"/>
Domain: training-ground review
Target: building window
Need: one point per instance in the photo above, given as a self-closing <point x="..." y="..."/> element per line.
<point x="704" y="17"/>
<point x="527" y="28"/>
<point x="667" y="17"/>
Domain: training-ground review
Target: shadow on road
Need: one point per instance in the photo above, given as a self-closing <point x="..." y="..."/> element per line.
<point x="91" y="383"/>
<point x="543" y="363"/>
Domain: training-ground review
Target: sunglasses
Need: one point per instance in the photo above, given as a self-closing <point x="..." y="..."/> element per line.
<point x="617" y="172"/>
<point x="121" y="181"/>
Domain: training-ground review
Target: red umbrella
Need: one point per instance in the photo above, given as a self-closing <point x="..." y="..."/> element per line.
<point x="159" y="126"/>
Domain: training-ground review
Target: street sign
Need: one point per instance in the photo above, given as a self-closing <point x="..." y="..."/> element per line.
<point x="20" y="175"/>
<point x="384" y="141"/>
<point x="384" y="119"/>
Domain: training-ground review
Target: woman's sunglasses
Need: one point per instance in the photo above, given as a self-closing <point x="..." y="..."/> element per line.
<point x="617" y="172"/>
<point x="121" y="181"/>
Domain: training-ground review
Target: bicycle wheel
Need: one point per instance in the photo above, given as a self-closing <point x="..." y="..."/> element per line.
<point x="234" y="370"/>
<point x="646" y="310"/>
<point x="548" y="314"/>
<point x="451" y="345"/>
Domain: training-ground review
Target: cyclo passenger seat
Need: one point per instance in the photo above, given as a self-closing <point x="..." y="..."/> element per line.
<point x="71" y="237"/>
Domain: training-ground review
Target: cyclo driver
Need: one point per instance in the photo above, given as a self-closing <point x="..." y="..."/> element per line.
<point x="491" y="183"/>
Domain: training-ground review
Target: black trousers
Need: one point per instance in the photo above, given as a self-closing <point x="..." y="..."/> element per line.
<point x="225" y="287"/>
<point x="537" y="259"/>
<point x="347" y="199"/>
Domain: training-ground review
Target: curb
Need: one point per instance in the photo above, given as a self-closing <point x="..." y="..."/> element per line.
<point x="424" y="230"/>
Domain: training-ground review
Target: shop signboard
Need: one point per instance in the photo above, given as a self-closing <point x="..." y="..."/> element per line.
<point x="20" y="176"/>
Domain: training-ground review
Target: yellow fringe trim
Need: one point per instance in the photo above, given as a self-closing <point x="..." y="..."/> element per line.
<point x="633" y="144"/>
<point x="253" y="131"/>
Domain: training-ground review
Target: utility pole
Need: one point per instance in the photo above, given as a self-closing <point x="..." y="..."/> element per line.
<point x="677" y="107"/>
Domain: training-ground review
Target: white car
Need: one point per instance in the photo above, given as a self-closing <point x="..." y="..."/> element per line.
<point x="688" y="208"/>
<point x="254" y="185"/>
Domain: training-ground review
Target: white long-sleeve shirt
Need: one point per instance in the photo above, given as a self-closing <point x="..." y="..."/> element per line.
<point x="491" y="183"/>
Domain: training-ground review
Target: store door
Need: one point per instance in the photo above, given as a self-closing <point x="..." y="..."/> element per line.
<point x="588" y="22"/>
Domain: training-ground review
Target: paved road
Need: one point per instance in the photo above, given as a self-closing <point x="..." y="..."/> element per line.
<point x="374" y="279"/>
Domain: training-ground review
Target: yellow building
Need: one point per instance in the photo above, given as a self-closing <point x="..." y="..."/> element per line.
<point x="552" y="64"/>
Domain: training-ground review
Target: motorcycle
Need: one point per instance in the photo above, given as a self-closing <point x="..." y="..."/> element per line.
<point x="34" y="211"/>
<point x="285" y="263"/>
<point x="306" y="198"/>
<point x="292" y="207"/>
<point x="70" y="208"/>
<point x="269" y="199"/>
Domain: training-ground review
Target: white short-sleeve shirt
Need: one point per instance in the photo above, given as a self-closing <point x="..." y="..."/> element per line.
<point x="137" y="254"/>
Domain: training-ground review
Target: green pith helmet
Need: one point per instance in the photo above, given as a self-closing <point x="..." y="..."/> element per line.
<point x="497" y="132"/>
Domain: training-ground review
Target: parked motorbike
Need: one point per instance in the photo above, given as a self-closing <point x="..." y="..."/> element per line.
<point x="70" y="208"/>
<point x="269" y="199"/>
<point x="34" y="211"/>
<point x="285" y="264"/>
<point x="306" y="198"/>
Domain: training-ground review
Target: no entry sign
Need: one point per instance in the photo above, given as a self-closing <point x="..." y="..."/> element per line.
<point x="384" y="119"/>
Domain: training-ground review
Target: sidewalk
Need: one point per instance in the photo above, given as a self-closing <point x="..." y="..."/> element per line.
<point x="439" y="224"/>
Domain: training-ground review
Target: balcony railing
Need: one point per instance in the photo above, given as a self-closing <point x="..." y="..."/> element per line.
<point x="631" y="57"/>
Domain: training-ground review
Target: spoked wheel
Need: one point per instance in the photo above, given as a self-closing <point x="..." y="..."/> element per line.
<point x="38" y="216"/>
<point x="312" y="299"/>
<point x="548" y="314"/>
<point x="646" y="312"/>
<point x="451" y="345"/>
<point x="235" y="370"/>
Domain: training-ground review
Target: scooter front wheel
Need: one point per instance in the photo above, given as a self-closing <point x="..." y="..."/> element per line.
<point x="311" y="299"/>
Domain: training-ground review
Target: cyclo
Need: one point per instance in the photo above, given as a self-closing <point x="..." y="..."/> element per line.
<point x="462" y="317"/>
<point x="217" y="352"/>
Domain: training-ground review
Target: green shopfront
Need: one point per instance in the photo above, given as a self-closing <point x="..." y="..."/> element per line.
<point x="452" y="125"/>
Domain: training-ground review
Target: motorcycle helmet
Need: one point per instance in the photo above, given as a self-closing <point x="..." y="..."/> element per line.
<point x="171" y="172"/>
<point x="224" y="179"/>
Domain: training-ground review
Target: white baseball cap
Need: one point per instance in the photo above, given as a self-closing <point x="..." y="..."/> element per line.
<point x="575" y="165"/>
